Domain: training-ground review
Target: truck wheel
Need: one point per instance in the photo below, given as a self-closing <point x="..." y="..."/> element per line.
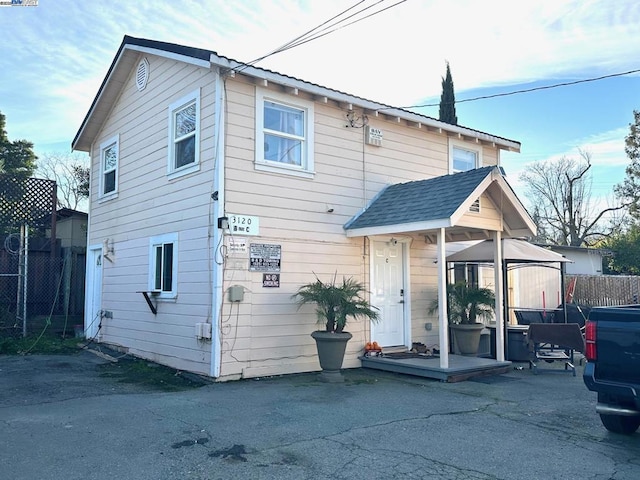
<point x="620" y="423"/>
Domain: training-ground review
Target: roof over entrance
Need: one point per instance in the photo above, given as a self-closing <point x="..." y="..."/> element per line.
<point x="442" y="202"/>
<point x="513" y="250"/>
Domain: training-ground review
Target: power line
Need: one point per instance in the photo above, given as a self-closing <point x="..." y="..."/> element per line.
<point x="332" y="27"/>
<point x="534" y="89"/>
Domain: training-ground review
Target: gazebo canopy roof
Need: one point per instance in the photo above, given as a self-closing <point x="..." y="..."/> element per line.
<point x="513" y="250"/>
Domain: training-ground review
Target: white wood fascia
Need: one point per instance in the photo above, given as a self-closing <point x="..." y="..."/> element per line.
<point x="173" y="56"/>
<point x="344" y="98"/>
<point x="399" y="228"/>
<point x="463" y="208"/>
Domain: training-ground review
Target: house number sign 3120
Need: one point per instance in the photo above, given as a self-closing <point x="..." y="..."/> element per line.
<point x="244" y="225"/>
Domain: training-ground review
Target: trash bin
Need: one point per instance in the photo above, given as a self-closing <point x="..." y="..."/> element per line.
<point x="517" y="343"/>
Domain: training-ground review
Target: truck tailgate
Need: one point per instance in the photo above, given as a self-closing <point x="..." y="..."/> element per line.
<point x="618" y="344"/>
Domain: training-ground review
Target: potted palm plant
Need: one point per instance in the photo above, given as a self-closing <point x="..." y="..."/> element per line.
<point x="335" y="304"/>
<point x="466" y="305"/>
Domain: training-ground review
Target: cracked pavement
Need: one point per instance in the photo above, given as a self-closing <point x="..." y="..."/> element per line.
<point x="60" y="419"/>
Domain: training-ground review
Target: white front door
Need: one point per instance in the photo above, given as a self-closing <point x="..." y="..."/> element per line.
<point x="93" y="293"/>
<point x="388" y="293"/>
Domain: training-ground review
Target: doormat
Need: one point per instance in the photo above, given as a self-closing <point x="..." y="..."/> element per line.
<point x="401" y="355"/>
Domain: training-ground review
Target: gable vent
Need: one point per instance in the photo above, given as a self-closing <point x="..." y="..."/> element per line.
<point x="142" y="74"/>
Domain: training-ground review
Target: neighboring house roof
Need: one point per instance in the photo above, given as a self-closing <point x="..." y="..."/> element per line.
<point x="62" y="214"/>
<point x="131" y="47"/>
<point x="569" y="248"/>
<point x="439" y="202"/>
<point x="69" y="212"/>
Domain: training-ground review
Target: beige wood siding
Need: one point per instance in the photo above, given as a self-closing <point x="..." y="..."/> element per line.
<point x="148" y="204"/>
<point x="266" y="334"/>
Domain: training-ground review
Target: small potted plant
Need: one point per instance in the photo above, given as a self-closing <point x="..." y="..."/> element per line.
<point x="335" y="304"/>
<point x="466" y="305"/>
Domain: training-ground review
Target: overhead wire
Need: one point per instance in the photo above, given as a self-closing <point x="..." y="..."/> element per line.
<point x="315" y="34"/>
<point x="528" y="90"/>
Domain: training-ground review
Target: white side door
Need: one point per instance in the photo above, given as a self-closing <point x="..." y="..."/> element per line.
<point x="388" y="294"/>
<point x="93" y="293"/>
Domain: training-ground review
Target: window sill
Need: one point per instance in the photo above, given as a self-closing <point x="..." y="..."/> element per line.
<point x="107" y="197"/>
<point x="284" y="170"/>
<point x="182" y="171"/>
<point x="166" y="297"/>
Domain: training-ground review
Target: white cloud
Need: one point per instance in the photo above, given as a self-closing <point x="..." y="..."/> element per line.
<point x="396" y="57"/>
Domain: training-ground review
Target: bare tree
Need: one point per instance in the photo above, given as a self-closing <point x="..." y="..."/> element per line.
<point x="71" y="173"/>
<point x="560" y="194"/>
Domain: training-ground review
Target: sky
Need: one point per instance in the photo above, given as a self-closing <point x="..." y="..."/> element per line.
<point x="56" y="54"/>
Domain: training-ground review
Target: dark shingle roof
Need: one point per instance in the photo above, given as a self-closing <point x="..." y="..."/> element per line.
<point x="420" y="201"/>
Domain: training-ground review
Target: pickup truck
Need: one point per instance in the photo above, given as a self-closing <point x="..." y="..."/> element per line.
<point x="612" y="340"/>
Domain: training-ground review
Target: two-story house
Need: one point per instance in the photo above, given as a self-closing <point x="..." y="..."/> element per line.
<point x="219" y="188"/>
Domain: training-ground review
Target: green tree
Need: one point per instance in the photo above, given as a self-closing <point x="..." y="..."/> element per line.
<point x="448" y="100"/>
<point x="625" y="252"/>
<point x="629" y="189"/>
<point x="17" y="157"/>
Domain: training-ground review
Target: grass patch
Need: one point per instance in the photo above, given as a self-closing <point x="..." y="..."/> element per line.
<point x="35" y="344"/>
<point x="152" y="375"/>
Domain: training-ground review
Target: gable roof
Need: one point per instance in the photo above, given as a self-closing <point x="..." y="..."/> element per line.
<point x="129" y="52"/>
<point x="439" y="202"/>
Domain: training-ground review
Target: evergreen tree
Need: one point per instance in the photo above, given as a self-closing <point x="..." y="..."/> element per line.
<point x="625" y="252"/>
<point x="629" y="189"/>
<point x="448" y="100"/>
<point x="16" y="158"/>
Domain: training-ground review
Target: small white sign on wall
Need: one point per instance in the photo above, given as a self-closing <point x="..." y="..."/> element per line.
<point x="237" y="245"/>
<point x="244" y="225"/>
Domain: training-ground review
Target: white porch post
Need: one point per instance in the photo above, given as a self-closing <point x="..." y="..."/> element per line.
<point x="500" y="293"/>
<point x="443" y="324"/>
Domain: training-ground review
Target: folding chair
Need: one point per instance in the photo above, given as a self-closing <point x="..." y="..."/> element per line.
<point x="550" y="342"/>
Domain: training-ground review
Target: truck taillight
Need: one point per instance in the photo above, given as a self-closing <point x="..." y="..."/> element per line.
<point x="590" y="340"/>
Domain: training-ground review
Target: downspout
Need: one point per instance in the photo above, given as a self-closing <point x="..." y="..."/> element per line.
<point x="218" y="211"/>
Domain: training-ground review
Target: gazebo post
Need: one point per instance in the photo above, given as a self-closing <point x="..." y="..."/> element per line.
<point x="564" y="298"/>
<point x="499" y="294"/>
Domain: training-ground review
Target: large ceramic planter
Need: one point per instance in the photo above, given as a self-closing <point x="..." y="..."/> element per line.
<point x="467" y="337"/>
<point x="331" y="347"/>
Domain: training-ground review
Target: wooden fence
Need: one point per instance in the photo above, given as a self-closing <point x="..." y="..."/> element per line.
<point x="603" y="290"/>
<point x="55" y="285"/>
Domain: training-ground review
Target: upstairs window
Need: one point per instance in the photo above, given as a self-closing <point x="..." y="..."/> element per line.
<point x="109" y="156"/>
<point x="184" y="135"/>
<point x="463" y="159"/>
<point x="284" y="134"/>
<point x="163" y="265"/>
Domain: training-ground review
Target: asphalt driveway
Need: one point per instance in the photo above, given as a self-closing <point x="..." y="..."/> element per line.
<point x="61" y="417"/>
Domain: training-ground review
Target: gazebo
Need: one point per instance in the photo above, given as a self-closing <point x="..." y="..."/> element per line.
<point x="516" y="253"/>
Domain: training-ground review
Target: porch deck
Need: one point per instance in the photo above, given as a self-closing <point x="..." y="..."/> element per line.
<point x="460" y="367"/>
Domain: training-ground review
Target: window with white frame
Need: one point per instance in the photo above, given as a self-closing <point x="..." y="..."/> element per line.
<point x="109" y="159"/>
<point x="163" y="262"/>
<point x="463" y="158"/>
<point x="284" y="134"/>
<point x="184" y="134"/>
